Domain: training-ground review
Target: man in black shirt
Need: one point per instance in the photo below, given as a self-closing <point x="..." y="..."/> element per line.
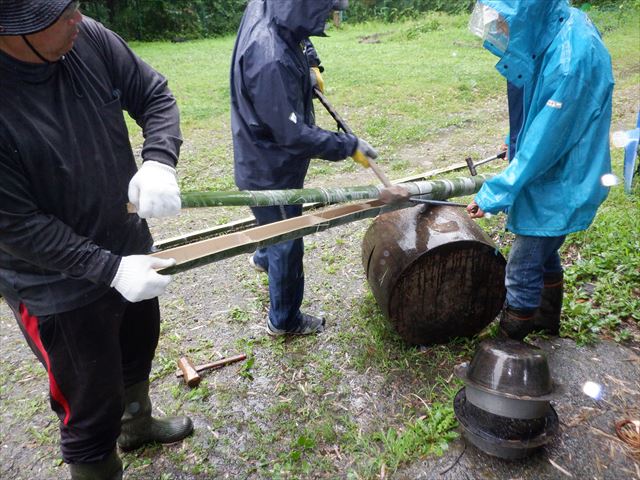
<point x="72" y="259"/>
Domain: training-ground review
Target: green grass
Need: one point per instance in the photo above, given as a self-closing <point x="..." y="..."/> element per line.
<point x="603" y="280"/>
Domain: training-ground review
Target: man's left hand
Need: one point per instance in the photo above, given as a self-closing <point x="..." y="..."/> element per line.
<point x="316" y="79"/>
<point x="154" y="190"/>
<point x="364" y="152"/>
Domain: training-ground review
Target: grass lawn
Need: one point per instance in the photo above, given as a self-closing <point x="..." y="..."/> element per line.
<point x="354" y="402"/>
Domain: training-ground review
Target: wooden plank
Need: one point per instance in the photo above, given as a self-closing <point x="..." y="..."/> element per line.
<point x="214" y="249"/>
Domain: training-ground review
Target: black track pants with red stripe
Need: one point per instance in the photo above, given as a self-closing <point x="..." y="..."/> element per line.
<point x="91" y="354"/>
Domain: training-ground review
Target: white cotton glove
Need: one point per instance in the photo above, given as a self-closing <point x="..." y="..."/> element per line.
<point x="136" y="278"/>
<point x="154" y="190"/>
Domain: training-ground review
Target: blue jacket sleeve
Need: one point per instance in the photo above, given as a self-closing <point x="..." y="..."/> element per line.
<point x="566" y="110"/>
<point x="277" y="101"/>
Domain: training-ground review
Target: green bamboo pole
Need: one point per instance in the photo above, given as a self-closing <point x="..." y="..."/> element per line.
<point x="430" y="189"/>
<point x="245" y="223"/>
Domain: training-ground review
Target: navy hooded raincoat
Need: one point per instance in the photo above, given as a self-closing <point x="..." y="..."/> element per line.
<point x="274" y="136"/>
<point x="555" y="55"/>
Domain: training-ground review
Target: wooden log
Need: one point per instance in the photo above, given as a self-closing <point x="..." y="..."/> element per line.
<point x="434" y="273"/>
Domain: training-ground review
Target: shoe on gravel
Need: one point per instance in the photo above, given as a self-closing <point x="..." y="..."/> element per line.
<point x="308" y="325"/>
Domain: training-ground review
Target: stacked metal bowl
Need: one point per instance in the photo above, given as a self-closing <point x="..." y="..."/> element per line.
<point x="504" y="408"/>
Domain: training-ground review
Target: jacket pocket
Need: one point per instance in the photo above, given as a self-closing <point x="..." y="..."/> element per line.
<point x="116" y="127"/>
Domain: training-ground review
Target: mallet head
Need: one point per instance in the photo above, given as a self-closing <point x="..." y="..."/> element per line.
<point x="190" y="374"/>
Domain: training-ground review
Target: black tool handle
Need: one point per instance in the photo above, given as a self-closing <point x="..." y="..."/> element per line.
<point x="335" y="115"/>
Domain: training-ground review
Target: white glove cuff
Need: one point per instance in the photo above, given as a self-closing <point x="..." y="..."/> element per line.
<point x="120" y="281"/>
<point x="159" y="167"/>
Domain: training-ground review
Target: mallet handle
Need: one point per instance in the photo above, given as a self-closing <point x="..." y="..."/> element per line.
<point x="221" y="363"/>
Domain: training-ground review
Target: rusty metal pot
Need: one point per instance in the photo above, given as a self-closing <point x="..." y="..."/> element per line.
<point x="504" y="437"/>
<point x="510" y="378"/>
<point x="434" y="273"/>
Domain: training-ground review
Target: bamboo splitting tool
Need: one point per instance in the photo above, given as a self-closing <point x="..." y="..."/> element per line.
<point x="343" y="125"/>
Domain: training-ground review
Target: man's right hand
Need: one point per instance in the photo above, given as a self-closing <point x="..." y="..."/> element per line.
<point x="363" y="153"/>
<point x="154" y="190"/>
<point x="137" y="279"/>
<point x="474" y="210"/>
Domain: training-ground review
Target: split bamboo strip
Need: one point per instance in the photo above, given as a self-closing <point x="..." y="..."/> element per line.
<point x="214" y="249"/>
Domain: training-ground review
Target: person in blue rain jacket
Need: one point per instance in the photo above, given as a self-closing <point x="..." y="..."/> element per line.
<point x="275" y="137"/>
<point x="558" y="67"/>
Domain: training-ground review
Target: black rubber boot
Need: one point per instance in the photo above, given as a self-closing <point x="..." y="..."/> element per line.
<point x="108" y="469"/>
<point x="140" y="428"/>
<point x="547" y="317"/>
<point x="516" y="324"/>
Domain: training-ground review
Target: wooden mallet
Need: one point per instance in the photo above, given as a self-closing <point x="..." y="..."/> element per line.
<point x="191" y="372"/>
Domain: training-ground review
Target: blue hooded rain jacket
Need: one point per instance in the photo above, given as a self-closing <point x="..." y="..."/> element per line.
<point x="274" y="136"/>
<point x="552" y="185"/>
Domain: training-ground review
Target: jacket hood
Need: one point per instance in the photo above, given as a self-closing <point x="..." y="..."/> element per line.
<point x="303" y="18"/>
<point x="533" y="24"/>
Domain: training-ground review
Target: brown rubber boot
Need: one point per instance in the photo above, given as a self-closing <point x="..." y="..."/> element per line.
<point x="108" y="469"/>
<point x="515" y="324"/>
<point x="547" y="317"/>
<point x="140" y="428"/>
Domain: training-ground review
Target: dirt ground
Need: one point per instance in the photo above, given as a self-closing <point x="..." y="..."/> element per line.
<point x="219" y="310"/>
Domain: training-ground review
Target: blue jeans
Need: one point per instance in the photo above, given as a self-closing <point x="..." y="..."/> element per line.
<point x="530" y="259"/>
<point x="283" y="263"/>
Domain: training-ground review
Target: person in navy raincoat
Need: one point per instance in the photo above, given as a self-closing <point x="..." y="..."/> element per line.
<point x="561" y="81"/>
<point x="274" y="135"/>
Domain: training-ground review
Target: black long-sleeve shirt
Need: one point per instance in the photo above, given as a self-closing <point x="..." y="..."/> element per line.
<point x="65" y="165"/>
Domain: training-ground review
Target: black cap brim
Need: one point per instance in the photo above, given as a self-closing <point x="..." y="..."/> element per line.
<point x="25" y="17"/>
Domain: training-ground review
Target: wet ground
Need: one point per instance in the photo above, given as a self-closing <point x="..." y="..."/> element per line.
<point x="586" y="446"/>
<point x="243" y="415"/>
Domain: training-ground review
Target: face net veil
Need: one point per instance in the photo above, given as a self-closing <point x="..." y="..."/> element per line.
<point x="489" y="25"/>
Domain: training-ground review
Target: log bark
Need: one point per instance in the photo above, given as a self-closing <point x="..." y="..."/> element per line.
<point x="434" y="273"/>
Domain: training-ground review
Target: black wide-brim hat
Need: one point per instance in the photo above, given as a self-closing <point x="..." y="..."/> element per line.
<point x="23" y="17"/>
